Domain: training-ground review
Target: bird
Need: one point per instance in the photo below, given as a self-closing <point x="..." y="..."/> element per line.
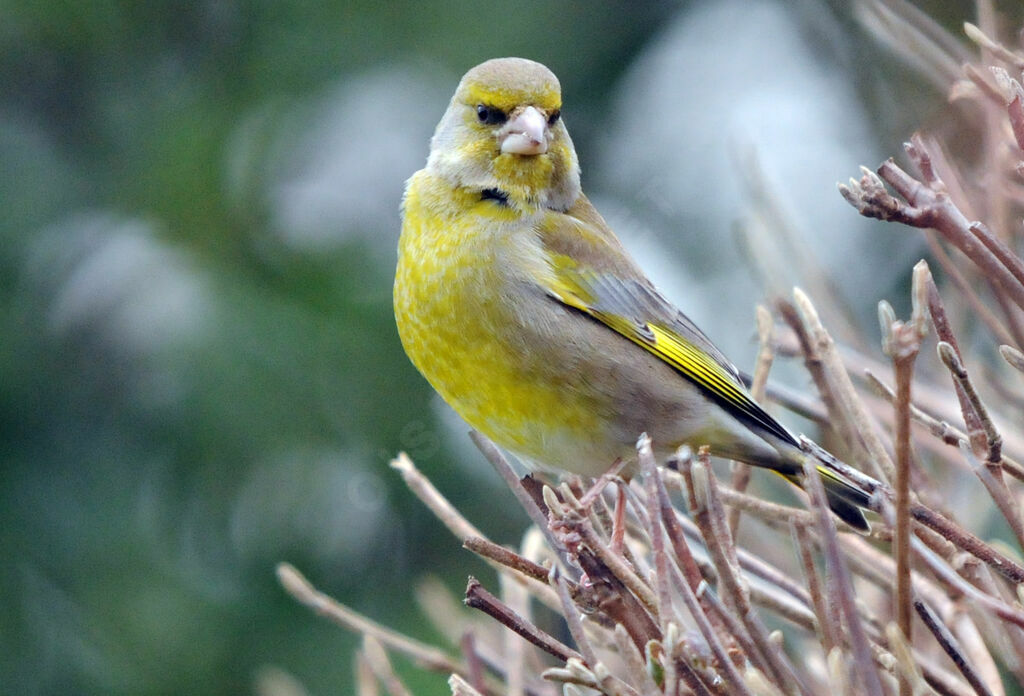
<point x="524" y="311"/>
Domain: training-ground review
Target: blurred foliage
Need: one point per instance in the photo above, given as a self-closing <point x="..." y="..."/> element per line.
<point x="200" y="372"/>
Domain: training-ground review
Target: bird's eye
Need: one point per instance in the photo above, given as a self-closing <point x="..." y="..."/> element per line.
<point x="553" y="117"/>
<point x="490" y="115"/>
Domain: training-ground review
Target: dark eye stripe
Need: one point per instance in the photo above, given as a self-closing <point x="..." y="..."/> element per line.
<point x="553" y="118"/>
<point x="490" y="115"/>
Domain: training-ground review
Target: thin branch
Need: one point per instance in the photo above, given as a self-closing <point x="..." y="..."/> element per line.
<point x="968" y="542"/>
<point x="634" y="663"/>
<point x="574" y="620"/>
<point x="968" y="293"/>
<point x="474" y="665"/>
<point x="841" y="586"/>
<point x="949" y="644"/>
<point x="829" y="623"/>
<point x="302" y="590"/>
<point x="379" y="663"/>
<point x="902" y="342"/>
<point x="460" y="687"/>
<point x="999" y="608"/>
<point x="944" y="431"/>
<point x="762" y="366"/>
<point x="708" y="514"/>
<point x="929" y="205"/>
<point x="479" y="598"/>
<point x="650" y="472"/>
<point x="501" y="465"/>
<point x="433" y="499"/>
<point x="851" y="411"/>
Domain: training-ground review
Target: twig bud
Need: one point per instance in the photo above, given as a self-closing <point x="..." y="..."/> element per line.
<point x="552" y="501"/>
<point x="922" y="278"/>
<point x="886" y="318"/>
<point x="1012" y="356"/>
<point x="948" y="356"/>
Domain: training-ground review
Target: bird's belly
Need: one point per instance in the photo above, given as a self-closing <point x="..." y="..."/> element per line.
<point x="500" y="390"/>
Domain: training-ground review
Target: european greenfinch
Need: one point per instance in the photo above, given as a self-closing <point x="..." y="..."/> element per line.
<point x="524" y="311"/>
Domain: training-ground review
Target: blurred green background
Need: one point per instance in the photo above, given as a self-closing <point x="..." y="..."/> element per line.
<point x="199" y="370"/>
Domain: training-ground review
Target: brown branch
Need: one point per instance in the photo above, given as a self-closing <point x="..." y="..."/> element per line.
<point x="650" y="472"/>
<point x="474" y="665"/>
<point x="968" y="542"/>
<point x="573" y="519"/>
<point x="951" y="646"/>
<point x="609" y="684"/>
<point x="983" y="435"/>
<point x="902" y="342"/>
<point x="829" y="623"/>
<point x="973" y="411"/>
<point x="708" y="514"/>
<point x="509" y="559"/>
<point x="433" y="499"/>
<point x="380" y="665"/>
<point x="302" y="590"/>
<point x="1001" y="609"/>
<point x="816" y="368"/>
<point x="852" y="412"/>
<point x="762" y="366"/>
<point x="501" y="465"/>
<point x="633" y="660"/>
<point x="945" y="432"/>
<point x="968" y="293"/>
<point x="840" y="586"/>
<point x="479" y="598"/>
<point x="928" y="205"/>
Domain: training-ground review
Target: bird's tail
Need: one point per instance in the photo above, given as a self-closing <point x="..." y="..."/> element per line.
<point x="844" y="498"/>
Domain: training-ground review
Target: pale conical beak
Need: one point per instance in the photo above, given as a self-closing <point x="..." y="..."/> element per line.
<point x="526" y="134"/>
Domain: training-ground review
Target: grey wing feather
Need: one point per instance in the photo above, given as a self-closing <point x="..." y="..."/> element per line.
<point x="642" y="302"/>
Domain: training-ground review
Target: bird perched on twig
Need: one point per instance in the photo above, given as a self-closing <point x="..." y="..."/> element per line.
<point x="524" y="311"/>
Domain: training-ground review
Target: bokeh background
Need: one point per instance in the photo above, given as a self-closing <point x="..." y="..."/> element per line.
<point x="199" y="370"/>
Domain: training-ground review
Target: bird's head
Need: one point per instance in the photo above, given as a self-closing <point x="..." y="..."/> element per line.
<point x="503" y="134"/>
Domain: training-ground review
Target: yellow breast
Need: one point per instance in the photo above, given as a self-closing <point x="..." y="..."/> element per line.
<point x="458" y="262"/>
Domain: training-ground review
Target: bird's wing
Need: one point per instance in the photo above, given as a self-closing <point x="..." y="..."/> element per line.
<point x="593" y="274"/>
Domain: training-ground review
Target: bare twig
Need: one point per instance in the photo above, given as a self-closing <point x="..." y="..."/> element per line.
<point x="571" y="515"/>
<point x="302" y="590"/>
<point x="841" y="586"/>
<point x="460" y="687"/>
<point x="940" y="429"/>
<point x="829" y="622"/>
<point x="474" y="666"/>
<point x="610" y="685"/>
<point x="902" y="342"/>
<point x="852" y="412"/>
<point x="479" y="598"/>
<point x="379" y="663"/>
<point x="433" y="499"/>
<point x="501" y="465"/>
<point x="949" y="644"/>
<point x="928" y="205"/>
<point x="709" y="516"/>
<point x="765" y="356"/>
<point x="1001" y="609"/>
<point x="650" y="471"/>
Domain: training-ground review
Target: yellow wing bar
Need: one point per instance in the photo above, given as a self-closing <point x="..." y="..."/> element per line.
<point x="687" y="359"/>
